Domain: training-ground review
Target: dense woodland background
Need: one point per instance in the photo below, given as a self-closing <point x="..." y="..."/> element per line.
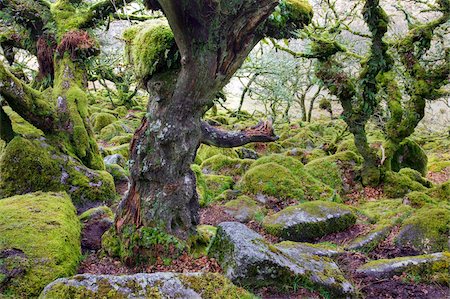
<point x="224" y="149"/>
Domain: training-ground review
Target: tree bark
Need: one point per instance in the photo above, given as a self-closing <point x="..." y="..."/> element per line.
<point x="213" y="41"/>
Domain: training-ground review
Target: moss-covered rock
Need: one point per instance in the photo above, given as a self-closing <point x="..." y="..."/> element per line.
<point x="248" y="259"/>
<point x="118" y="173"/>
<point x="440" y="192"/>
<point x="310" y="220"/>
<point x="199" y="243"/>
<point x="430" y="268"/>
<point x="427" y="230"/>
<point x="273" y="180"/>
<point x="205" y="151"/>
<point x="38" y="166"/>
<point x="112" y="130"/>
<point x="43" y="233"/>
<point x="226" y="165"/>
<point x="123" y="150"/>
<point x="410" y="155"/>
<point x="161" y="56"/>
<point x="418" y="199"/>
<point x="331" y="169"/>
<point x="101" y="120"/>
<point x="369" y="241"/>
<point x="143" y="285"/>
<point x="385" y="212"/>
<point x="319" y="249"/>
<point x="213" y="186"/>
<point x="243" y="209"/>
<point x="398" y="184"/>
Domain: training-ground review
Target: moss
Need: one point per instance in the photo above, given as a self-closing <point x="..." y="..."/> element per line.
<point x="281" y="224"/>
<point x="347" y="145"/>
<point x="214" y="286"/>
<point x="226" y="165"/>
<point x="40" y="167"/>
<point x="205" y="151"/>
<point x="142" y="245"/>
<point x="330" y="170"/>
<point x="290" y="163"/>
<point x="45" y="227"/>
<point x="121" y="111"/>
<point x="161" y="55"/>
<point x="273" y="180"/>
<point x="20" y="125"/>
<point x="397" y="185"/>
<point x="123" y="149"/>
<point x="410" y="155"/>
<point x="244" y="208"/>
<point x="117" y="172"/>
<point x="438" y="166"/>
<point x="289" y="15"/>
<point x="101" y="120"/>
<point x="418" y="199"/>
<point x="95" y="212"/>
<point x="113" y="130"/>
<point x="119" y="140"/>
<point x="199" y="243"/>
<point x="415" y="176"/>
<point x="427" y="229"/>
<point x="215" y="185"/>
<point x="385" y="211"/>
<point x="440" y="192"/>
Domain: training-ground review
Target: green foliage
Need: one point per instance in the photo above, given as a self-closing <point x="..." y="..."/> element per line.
<point x="45" y="227"/>
<point x="289" y="15"/>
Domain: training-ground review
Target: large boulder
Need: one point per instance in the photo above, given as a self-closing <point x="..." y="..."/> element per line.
<point x="429" y="268"/>
<point x="427" y="230"/>
<point x="310" y="220"/>
<point x="143" y="285"/>
<point x="39" y="242"/>
<point x="29" y="165"/>
<point x="247" y="259"/>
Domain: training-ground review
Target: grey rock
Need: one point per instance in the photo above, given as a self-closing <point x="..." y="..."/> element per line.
<point x="141" y="285"/>
<point x="243" y="209"/>
<point x="389" y="267"/>
<point x="369" y="241"/>
<point x="115" y="159"/>
<point x="248" y="259"/>
<point x="310" y="220"/>
<point x="299" y="248"/>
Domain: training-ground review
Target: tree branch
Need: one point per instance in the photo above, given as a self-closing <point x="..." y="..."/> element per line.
<point x="262" y="132"/>
<point x="26" y="101"/>
<point x="100" y="10"/>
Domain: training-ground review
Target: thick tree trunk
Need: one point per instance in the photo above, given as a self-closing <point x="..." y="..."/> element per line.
<point x="162" y="199"/>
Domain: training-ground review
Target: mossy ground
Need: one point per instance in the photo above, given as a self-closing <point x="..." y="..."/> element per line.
<point x="45" y="227"/>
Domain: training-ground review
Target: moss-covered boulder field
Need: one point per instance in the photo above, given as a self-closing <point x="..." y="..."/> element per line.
<point x="137" y="173"/>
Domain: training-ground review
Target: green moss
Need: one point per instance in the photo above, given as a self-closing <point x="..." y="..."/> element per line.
<point x="101" y="120"/>
<point x="117" y="172"/>
<point x="45" y="227"/>
<point x="418" y="199"/>
<point x="415" y="176"/>
<point x="438" y="166"/>
<point x="397" y="185"/>
<point x="151" y="48"/>
<point x="386" y="211"/>
<point x="244" y="208"/>
<point x="205" y="151"/>
<point x="410" y="155"/>
<point x="347" y="145"/>
<point x="199" y="243"/>
<point x="280" y="224"/>
<point x="289" y="16"/>
<point x="142" y="245"/>
<point x="290" y="163"/>
<point x="123" y="149"/>
<point x="20" y="125"/>
<point x="427" y="229"/>
<point x="215" y="185"/>
<point x="226" y="165"/>
<point x="41" y="167"/>
<point x="119" y="140"/>
<point x="273" y="180"/>
<point x="95" y="212"/>
<point x="440" y="192"/>
<point x="112" y="130"/>
<point x="215" y="286"/>
<point x="330" y="170"/>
